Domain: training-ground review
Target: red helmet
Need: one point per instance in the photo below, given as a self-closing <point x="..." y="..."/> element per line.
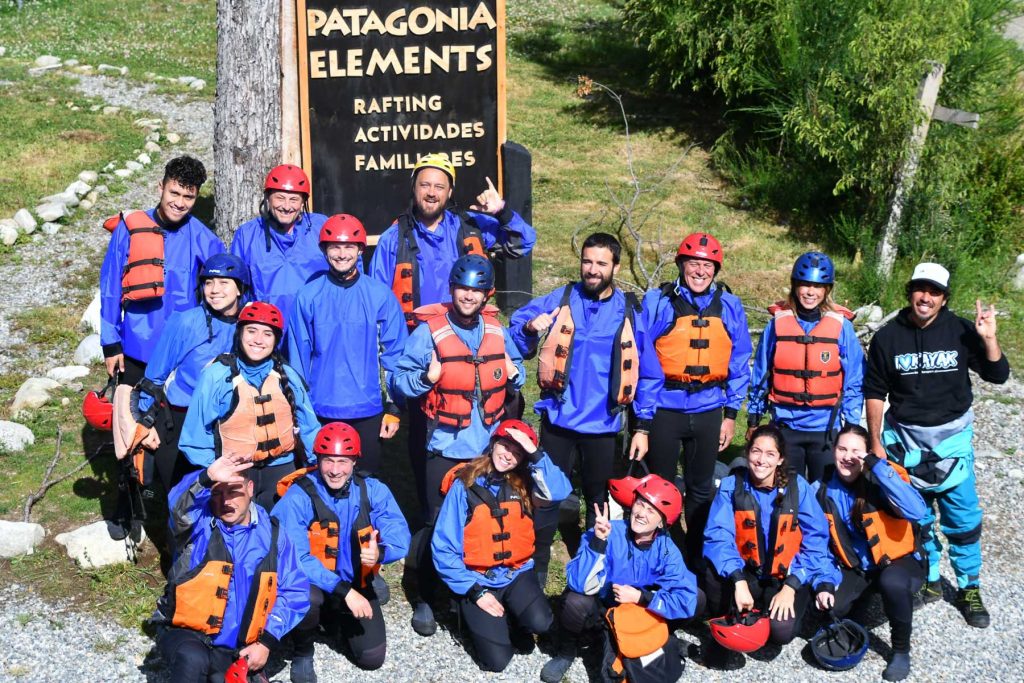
<point x="623" y="490"/>
<point x="663" y="495"/>
<point x="502" y="431"/>
<point x="238" y="672"/>
<point x="337" y="438"/>
<point x="342" y="229"/>
<point x="701" y="245"/>
<point x="262" y="312"/>
<point x="97" y="409"/>
<point x="287" y="177"/>
<point x="746" y="632"/>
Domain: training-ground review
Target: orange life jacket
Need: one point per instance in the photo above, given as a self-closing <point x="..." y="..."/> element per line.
<point x="889" y="536"/>
<point x="259" y="421"/>
<point x="694" y="353"/>
<point x="785" y="528"/>
<point x="142" y="277"/>
<point x="405" y="283"/>
<point x="806" y="369"/>
<point x="555" y="356"/>
<point x="498" y="530"/>
<point x="325" y="527"/>
<point x="198" y="598"/>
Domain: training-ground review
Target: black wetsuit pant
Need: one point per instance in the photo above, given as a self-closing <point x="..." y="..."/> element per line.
<point x="435" y="466"/>
<point x="810" y="450"/>
<point x="365" y="637"/>
<point x="191" y="659"/>
<point x="897" y="584"/>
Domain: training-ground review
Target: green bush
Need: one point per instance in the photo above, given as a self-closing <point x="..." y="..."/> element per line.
<point x="822" y="97"/>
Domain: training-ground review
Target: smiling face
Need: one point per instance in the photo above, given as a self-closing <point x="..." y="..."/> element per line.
<point x="849" y="456"/>
<point x="230" y="502"/>
<point x="644" y="518"/>
<point x="342" y="258"/>
<point x="467" y="301"/>
<point x="597" y="271"/>
<point x="809" y="295"/>
<point x="926" y="300"/>
<point x="697" y="273"/>
<point x="221" y="295"/>
<point x="431" y="190"/>
<point x="336" y="470"/>
<point x="258" y="341"/>
<point x="285" y="207"/>
<point x="176" y="201"/>
<point x="763" y="459"/>
<point x="505" y="457"/>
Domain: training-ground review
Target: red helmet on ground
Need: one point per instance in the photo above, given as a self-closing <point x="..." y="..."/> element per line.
<point x="624" y="490"/>
<point x="746" y="632"/>
<point x="502" y="431"/>
<point x="238" y="672"/>
<point x="97" y="409"/>
<point x="287" y="177"/>
<point x="342" y="228"/>
<point x="663" y="495"/>
<point x="338" y="438"/>
<point x="262" y="312"/>
<point x="701" y="245"/>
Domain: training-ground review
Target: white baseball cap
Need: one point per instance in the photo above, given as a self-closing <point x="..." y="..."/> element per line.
<point x="932" y="273"/>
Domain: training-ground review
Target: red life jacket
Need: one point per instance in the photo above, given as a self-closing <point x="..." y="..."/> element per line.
<point x="405" y="283"/>
<point x="889" y="536"/>
<point x="806" y="368"/>
<point x="555" y="356"/>
<point x="142" y="277"/>
<point x="453" y="398"/>
<point x="499" y="529"/>
<point x="259" y="421"/>
<point x="325" y="527"/>
<point x="785" y="528"/>
<point x="198" y="598"/>
<point x="694" y="353"/>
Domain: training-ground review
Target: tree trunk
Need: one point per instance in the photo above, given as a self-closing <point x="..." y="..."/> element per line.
<point x="247" y="114"/>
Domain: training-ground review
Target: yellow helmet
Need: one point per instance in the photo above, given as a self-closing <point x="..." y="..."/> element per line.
<point x="438" y="161"/>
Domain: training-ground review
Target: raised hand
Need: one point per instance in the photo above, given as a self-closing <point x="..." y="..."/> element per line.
<point x="602" y="525"/>
<point x="227" y="468"/>
<point x="489" y="201"/>
<point x="370" y="555"/>
<point x="434" y="370"/>
<point x="542" y="322"/>
<point x="985" y="321"/>
<point x="523" y="440"/>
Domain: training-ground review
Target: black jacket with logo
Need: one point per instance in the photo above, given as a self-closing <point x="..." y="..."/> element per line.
<point x="924" y="371"/>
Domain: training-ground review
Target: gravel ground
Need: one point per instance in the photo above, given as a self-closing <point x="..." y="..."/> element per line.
<point x="42" y="641"/>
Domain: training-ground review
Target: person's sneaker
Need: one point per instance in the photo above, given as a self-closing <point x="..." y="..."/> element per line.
<point x="554" y="671"/>
<point x="423" y="620"/>
<point x="302" y="670"/>
<point x="380" y="587"/>
<point x="898" y="667"/>
<point x="968" y="601"/>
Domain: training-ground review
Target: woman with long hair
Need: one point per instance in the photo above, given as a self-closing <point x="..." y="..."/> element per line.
<point x="483" y="540"/>
<point x="765" y="542"/>
<point x="873" y="513"/>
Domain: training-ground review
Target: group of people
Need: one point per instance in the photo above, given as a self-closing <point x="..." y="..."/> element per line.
<point x="255" y="389"/>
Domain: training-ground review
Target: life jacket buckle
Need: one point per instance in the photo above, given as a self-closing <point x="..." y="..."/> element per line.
<point x="749" y="524"/>
<point x="504" y="536"/>
<point x="561" y="351"/>
<point x="700" y="322"/>
<point x="263" y="398"/>
<point x="700" y="343"/>
<point x="503" y="555"/>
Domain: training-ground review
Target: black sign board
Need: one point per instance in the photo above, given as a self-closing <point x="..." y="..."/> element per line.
<point x="384" y="82"/>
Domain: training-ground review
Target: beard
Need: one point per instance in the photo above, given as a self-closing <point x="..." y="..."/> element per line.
<point x="597" y="288"/>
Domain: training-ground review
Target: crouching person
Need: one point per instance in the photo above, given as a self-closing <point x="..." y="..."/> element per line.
<point x="344" y="526"/>
<point x="236" y="586"/>
<point x="630" y="578"/>
<point x="483" y="540"/>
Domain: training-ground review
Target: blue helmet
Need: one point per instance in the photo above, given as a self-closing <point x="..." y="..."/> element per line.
<point x="814" y="267"/>
<point x="226" y="265"/>
<point x="472" y="271"/>
<point x="840" y="646"/>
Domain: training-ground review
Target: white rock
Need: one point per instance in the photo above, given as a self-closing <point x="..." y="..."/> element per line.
<point x="24" y="220"/>
<point x="85" y="205"/>
<point x="71" y="62"/>
<point x="14" y="437"/>
<point x="149" y="76"/>
<point x="76" y="108"/>
<point x="152" y="147"/>
<point x="51" y="228"/>
<point x="173" y="138"/>
<point x="79" y="187"/>
<point x="33" y="393"/>
<point x="89" y="351"/>
<point x="19" y="538"/>
<point x="108" y="69"/>
<point x="48" y="60"/>
<point x="95" y="107"/>
<point x="197" y="84"/>
<point x="101" y="189"/>
<point x="153" y="137"/>
<point x="144" y="159"/>
<point x="1016" y="473"/>
<point x="100" y="544"/>
<point x="88" y="177"/>
<point x="8" y="235"/>
<point x="133" y="165"/>
<point x="68" y="199"/>
<point x="40" y="70"/>
<point x="110" y="110"/>
<point x="1018" y="281"/>
<point x="185" y="80"/>
<point x="90" y="321"/>
<point x="65" y="374"/>
<point x="124" y="70"/>
<point x="3" y="50"/>
<point x="84" y="68"/>
<point x="93" y="196"/>
<point x="53" y="211"/>
<point x="123" y="173"/>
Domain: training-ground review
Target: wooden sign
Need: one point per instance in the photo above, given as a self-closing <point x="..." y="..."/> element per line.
<point x="381" y="84"/>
